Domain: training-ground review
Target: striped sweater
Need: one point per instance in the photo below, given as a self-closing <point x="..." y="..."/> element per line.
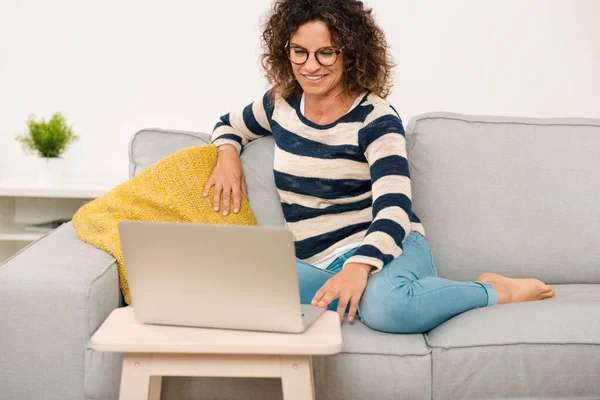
<point x="340" y="184"/>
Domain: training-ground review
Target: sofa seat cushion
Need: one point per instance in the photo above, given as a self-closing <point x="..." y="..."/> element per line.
<point x="542" y="349"/>
<point x="372" y="365"/>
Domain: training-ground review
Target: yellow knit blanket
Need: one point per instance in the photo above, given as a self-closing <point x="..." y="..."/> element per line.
<point x="168" y="191"/>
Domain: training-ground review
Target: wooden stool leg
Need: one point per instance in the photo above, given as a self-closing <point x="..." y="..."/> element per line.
<point x="135" y="378"/>
<point x="155" y="387"/>
<point x="297" y="378"/>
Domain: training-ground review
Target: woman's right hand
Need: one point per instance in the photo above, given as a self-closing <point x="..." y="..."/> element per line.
<point x="227" y="177"/>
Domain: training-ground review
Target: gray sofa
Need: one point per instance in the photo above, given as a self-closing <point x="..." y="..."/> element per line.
<point x="517" y="196"/>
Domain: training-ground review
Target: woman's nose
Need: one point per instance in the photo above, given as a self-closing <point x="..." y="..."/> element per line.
<point x="312" y="65"/>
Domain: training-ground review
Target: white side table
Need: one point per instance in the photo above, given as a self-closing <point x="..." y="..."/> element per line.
<point x="154" y="351"/>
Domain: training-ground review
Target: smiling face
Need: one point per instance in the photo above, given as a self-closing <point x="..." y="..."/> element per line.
<point x="316" y="79"/>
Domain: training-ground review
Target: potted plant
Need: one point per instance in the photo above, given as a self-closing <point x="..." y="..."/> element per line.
<point x="47" y="141"/>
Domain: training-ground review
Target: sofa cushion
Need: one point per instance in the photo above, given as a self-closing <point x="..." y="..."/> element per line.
<point x="517" y="196"/>
<point x="148" y="146"/>
<point x="543" y="349"/>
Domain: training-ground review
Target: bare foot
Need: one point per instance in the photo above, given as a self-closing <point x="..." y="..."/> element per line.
<point x="516" y="290"/>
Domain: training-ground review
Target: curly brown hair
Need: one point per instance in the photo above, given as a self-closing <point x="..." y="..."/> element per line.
<point x="367" y="64"/>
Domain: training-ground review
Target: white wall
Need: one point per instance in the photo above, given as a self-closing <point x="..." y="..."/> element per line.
<point x="114" y="67"/>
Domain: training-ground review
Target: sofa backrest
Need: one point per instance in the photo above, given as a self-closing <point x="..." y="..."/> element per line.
<point x="151" y="145"/>
<point x="517" y="196"/>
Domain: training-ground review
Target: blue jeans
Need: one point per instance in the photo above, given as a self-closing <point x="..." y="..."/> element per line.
<point x="406" y="296"/>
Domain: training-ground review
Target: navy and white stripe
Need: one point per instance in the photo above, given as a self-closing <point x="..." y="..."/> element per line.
<point x="342" y="183"/>
<point x="240" y="128"/>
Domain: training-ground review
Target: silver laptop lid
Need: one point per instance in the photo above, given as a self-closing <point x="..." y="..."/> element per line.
<point x="215" y="276"/>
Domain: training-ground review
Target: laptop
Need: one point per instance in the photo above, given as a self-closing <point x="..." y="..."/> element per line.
<point x="214" y="276"/>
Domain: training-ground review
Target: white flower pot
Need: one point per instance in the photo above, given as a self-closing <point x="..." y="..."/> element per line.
<point x="48" y="171"/>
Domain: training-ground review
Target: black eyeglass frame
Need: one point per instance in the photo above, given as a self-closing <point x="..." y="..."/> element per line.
<point x="337" y="52"/>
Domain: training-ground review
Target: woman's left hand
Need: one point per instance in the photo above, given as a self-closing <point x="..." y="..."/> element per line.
<point x="348" y="285"/>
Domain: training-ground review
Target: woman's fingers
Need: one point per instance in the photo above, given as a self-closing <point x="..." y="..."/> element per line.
<point x="209" y="184"/>
<point x="342" y="303"/>
<point x="324" y="296"/>
<point x="327" y="298"/>
<point x="353" y="307"/>
<point x="227" y="177"/>
<point x="318" y="296"/>
<point x="226" y="192"/>
<point x="226" y="197"/>
<point x="217" y="197"/>
<point x="237" y="198"/>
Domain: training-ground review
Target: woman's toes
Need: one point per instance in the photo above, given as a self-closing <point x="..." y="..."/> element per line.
<point x="548" y="295"/>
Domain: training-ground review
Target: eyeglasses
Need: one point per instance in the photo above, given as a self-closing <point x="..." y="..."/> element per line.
<point x="326" y="56"/>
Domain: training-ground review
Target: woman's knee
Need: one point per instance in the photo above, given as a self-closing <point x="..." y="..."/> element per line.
<point x="386" y="308"/>
<point x="374" y="307"/>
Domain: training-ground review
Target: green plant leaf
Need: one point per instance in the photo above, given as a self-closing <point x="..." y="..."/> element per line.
<point x="47" y="139"/>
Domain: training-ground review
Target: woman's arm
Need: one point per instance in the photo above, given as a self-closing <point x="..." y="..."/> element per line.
<point x="385" y="150"/>
<point x="240" y="128"/>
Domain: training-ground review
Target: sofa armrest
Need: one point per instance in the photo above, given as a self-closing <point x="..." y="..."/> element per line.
<point x="54" y="294"/>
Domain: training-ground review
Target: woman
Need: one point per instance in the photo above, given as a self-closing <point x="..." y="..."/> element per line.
<point x="342" y="175"/>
